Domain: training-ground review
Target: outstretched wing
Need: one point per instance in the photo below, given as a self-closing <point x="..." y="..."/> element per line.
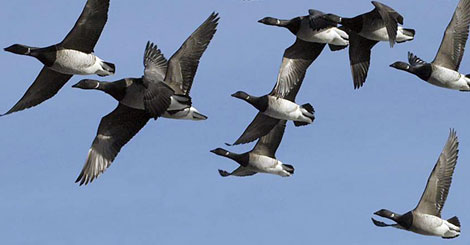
<point x="87" y="30"/>
<point x="260" y="126"/>
<point x="439" y="182"/>
<point x="183" y="64"/>
<point x="453" y="43"/>
<point x="155" y="64"/>
<point x="297" y="58"/>
<point x="391" y="18"/>
<point x="268" y="144"/>
<point x="359" y="57"/>
<point x="115" y="130"/>
<point x="46" y="85"/>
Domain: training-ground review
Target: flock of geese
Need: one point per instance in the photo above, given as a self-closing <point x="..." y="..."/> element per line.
<point x="163" y="91"/>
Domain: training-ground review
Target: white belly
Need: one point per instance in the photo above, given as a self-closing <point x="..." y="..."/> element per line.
<point x="330" y="36"/>
<point x="77" y="63"/>
<point x="382" y="35"/>
<point x="447" y="78"/>
<point x="283" y="109"/>
<point x="431" y="225"/>
<point x="264" y="164"/>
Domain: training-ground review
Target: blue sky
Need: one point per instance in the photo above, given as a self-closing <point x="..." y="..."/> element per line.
<point x="368" y="149"/>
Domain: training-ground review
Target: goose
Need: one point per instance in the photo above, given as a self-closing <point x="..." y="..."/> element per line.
<point x="443" y="70"/>
<point x="426" y="218"/>
<point x="280" y="103"/>
<point x="313" y="28"/>
<point x="73" y="56"/>
<point x="261" y="159"/>
<point x="365" y="31"/>
<point x="163" y="91"/>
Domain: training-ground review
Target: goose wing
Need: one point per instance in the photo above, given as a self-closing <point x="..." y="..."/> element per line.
<point x="259" y="127"/>
<point x="155" y="64"/>
<point x="87" y="30"/>
<point x="297" y="58"/>
<point x="359" y="57"/>
<point x="437" y="188"/>
<point x="240" y="171"/>
<point x="115" y="130"/>
<point x="46" y="85"/>
<point x="317" y="22"/>
<point x="453" y="43"/>
<point x="268" y="144"/>
<point x="183" y="64"/>
<point x="391" y="18"/>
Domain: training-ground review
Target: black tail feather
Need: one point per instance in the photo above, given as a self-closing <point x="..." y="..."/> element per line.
<point x="289" y="168"/>
<point x="337" y="47"/>
<point x="299" y="124"/>
<point x="454" y="220"/>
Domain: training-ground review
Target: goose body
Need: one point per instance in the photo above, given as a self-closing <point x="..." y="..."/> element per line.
<point x="365" y="31"/>
<point x="72" y="56"/>
<point x="426" y="219"/>
<point x="280" y="103"/>
<point x="381" y="34"/>
<point x="443" y="71"/>
<point x="312" y="28"/>
<point x="329" y="35"/>
<point x="448" y="78"/>
<point x="287" y="110"/>
<point x="74" y="62"/>
<point x="163" y="91"/>
<point x="431" y="225"/>
<point x="261" y="159"/>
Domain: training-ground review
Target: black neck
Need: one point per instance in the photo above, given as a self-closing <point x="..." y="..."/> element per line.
<point x="354" y="24"/>
<point x="260" y="103"/>
<point x="406" y="220"/>
<point x="116" y="89"/>
<point x="422" y="71"/>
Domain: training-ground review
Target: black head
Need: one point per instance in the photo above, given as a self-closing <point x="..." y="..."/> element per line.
<point x="18" y="49"/>
<point x="387" y="214"/>
<point x="241" y="95"/>
<point x="289" y="168"/>
<point x="269" y="21"/>
<point x="87" y="84"/>
<point x="221" y="152"/>
<point x="401" y="66"/>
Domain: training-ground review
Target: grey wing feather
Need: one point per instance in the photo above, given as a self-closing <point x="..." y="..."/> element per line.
<point x="115" y="130"/>
<point x="453" y="43"/>
<point x="46" y="85"/>
<point x="259" y="127"/>
<point x="297" y="58"/>
<point x="391" y="19"/>
<point x="268" y="144"/>
<point x="359" y="57"/>
<point x="87" y="30"/>
<point x="437" y="188"/>
<point x="155" y="64"/>
<point x="240" y="172"/>
<point x="183" y="64"/>
<point x="157" y="98"/>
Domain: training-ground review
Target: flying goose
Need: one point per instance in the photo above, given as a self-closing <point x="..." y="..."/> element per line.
<point x="163" y="91"/>
<point x="366" y="30"/>
<point x="426" y="218"/>
<point x="313" y="28"/>
<point x="443" y="70"/>
<point x="261" y="159"/>
<point x="74" y="55"/>
<point x="280" y="103"/>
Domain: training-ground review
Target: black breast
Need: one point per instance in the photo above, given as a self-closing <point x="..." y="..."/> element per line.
<point x="262" y="103"/>
<point x="47" y="56"/>
<point x="423" y="71"/>
<point x="406" y="220"/>
<point x="243" y="159"/>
